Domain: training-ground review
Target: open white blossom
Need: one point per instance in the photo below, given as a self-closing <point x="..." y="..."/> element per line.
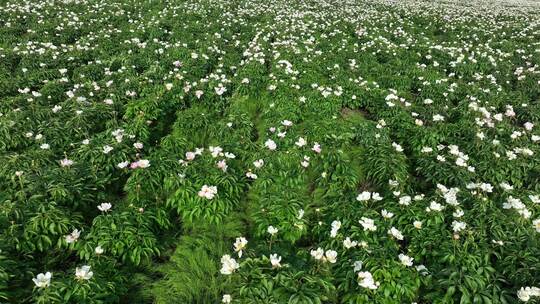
<point x="42" y="280"/>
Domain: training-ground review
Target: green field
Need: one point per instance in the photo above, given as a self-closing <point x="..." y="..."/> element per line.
<point x="255" y="151"/>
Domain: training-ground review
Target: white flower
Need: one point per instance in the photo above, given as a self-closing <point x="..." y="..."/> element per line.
<point x="275" y="260"/>
<point x="386" y="214"/>
<point x="525" y="293"/>
<point x="228" y="265"/>
<point x="366" y="280"/>
<point x="417" y="224"/>
<point x="422" y="270"/>
<point x="104" y="207"/>
<point x="405" y="200"/>
<point x="43" y="280"/>
<point x="45" y="146"/>
<point x="98" y="250"/>
<point x="138" y="145"/>
<point x="331" y="256"/>
<point x="301" y="142"/>
<point x="215" y="151"/>
<point x="73" y="237"/>
<point x="123" y="164"/>
<point x="458" y="213"/>
<point x="405" y="259"/>
<point x="66" y="162"/>
<point x="318" y="254"/>
<point x="83" y="273"/>
<point x="349" y="244"/>
<point x="143" y="163"/>
<point x="368" y="224"/>
<point x="536" y="224"/>
<point x="251" y="175"/>
<point x="208" y="192"/>
<point x="434" y="206"/>
<point x="190" y="156"/>
<point x="395" y="233"/>
<point x="316" y="148"/>
<point x="364" y="196"/>
<point x="376" y="196"/>
<point x="222" y="164"/>
<point x="258" y="163"/>
<point x="335" y="227"/>
<point x="107" y="149"/>
<point x="226" y="299"/>
<point x="270" y="144"/>
<point x="458" y="226"/>
<point x="239" y="245"/>
<point x="272" y="230"/>
<point x="357" y="266"/>
<point x="287" y="123"/>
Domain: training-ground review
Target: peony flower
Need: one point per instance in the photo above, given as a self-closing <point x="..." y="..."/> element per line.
<point x="386" y="214"/>
<point x="365" y="280"/>
<point x="272" y="230"/>
<point x="208" y="192"/>
<point x="316" y="148"/>
<point x="98" y="250"/>
<point x="286" y="123"/>
<point x="331" y="256"/>
<point x="123" y="164"/>
<point x="73" y="237"/>
<point x="228" y="265"/>
<point x="301" y="142"/>
<point x="104" y="207"/>
<point x="239" y="245"/>
<point x="107" y="149"/>
<point x="258" y="163"/>
<point x="270" y="144"/>
<point x="222" y="164"/>
<point x="226" y="299"/>
<point x="364" y="196"/>
<point x="83" y="273"/>
<point x="349" y="244"/>
<point x="536" y="225"/>
<point x="458" y="226"/>
<point x="525" y="293"/>
<point x="335" y="227"/>
<point x="368" y="224"/>
<point x="405" y="259"/>
<point x="318" y="254"/>
<point x="66" y="162"/>
<point x="43" y="280"/>
<point x="275" y="260"/>
<point x="395" y="233"/>
<point x="143" y="163"/>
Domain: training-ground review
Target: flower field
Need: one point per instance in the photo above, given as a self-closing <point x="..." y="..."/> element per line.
<point x="287" y="151"/>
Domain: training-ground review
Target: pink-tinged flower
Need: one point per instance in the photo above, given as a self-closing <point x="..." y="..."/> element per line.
<point x="222" y="164"/>
<point x="190" y="156"/>
<point x="73" y="237"/>
<point x="316" y="148"/>
<point x="141" y="163"/>
<point x="208" y="192"/>
<point x="66" y="162"/>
